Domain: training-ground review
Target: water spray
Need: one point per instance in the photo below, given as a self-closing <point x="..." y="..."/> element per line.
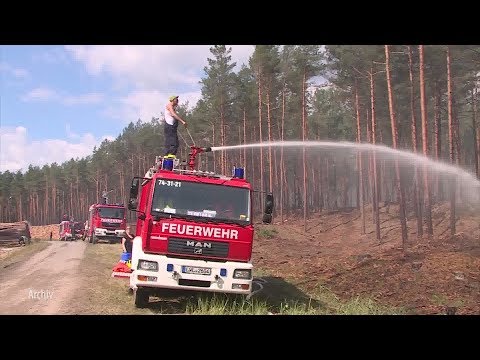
<point x="470" y="182"/>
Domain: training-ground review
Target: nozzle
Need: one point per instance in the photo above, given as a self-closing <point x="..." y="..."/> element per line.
<point x="207" y="149"/>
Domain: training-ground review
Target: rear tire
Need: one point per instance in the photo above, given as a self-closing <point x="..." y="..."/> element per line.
<point x="141" y="298"/>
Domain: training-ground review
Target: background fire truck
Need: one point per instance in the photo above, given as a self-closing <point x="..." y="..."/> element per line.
<point x="194" y="230"/>
<point x="106" y="222"/>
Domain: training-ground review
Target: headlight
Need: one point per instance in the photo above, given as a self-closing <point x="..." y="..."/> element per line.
<point x="147" y="265"/>
<point x="242" y="274"/>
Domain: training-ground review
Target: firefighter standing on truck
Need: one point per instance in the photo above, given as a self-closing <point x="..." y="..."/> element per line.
<point x="170" y="127"/>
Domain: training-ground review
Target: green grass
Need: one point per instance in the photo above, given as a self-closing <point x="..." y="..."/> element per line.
<point x="354" y="306"/>
<point x="223" y="305"/>
<point x="103" y="294"/>
<point x="265" y="233"/>
<point x="442" y="300"/>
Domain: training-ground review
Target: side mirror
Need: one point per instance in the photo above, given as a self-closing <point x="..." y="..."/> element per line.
<point x="134" y="188"/>
<point x="132" y="204"/>
<point x="267" y="213"/>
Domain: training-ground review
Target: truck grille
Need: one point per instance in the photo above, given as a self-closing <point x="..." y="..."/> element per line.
<point x="198" y="283"/>
<point x="199" y="249"/>
<point x="109" y="225"/>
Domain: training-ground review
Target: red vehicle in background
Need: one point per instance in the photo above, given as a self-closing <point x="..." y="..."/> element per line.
<point x="106" y="222"/>
<point x="65" y="231"/>
<point x="78" y="230"/>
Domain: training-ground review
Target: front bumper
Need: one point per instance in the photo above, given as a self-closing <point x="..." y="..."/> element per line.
<point x="99" y="232"/>
<point x="169" y="274"/>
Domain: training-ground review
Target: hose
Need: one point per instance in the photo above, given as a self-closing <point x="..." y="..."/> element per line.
<point x="193" y="142"/>
<point x="259" y="282"/>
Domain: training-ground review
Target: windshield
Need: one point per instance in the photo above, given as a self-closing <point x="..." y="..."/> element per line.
<point x="112" y="213"/>
<point x="209" y="201"/>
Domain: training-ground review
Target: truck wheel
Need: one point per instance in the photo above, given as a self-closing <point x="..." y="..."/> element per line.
<point x="141" y="298"/>
<point x="94" y="239"/>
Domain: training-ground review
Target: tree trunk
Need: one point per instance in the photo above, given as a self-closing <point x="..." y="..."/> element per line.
<point x="222" y="140"/>
<point x="476" y="133"/>
<point x="20" y="208"/>
<point x="393" y="120"/>
<point x="244" y="136"/>
<point x="46" y="212"/>
<point x="438" y="135"/>
<point x="416" y="188"/>
<point x="346" y="184"/>
<point x="451" y="137"/>
<point x="370" y="166"/>
<point x="374" y="159"/>
<point x="282" y="163"/>
<point x="304" y="138"/>
<point x="359" y="161"/>
<point x="260" y="133"/>
<point x="54" y="203"/>
<point x="423" y="108"/>
<point x="269" y="125"/>
<point x="70" y="213"/>
<point x="213" y="144"/>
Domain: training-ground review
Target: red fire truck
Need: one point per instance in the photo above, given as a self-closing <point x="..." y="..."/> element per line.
<point x="66" y="231"/>
<point x="106" y="222"/>
<point x="194" y="230"/>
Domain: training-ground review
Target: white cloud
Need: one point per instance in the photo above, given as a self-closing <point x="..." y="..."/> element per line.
<point x="16" y="72"/>
<point x="40" y="94"/>
<point x="17" y="152"/>
<point x="144" y="105"/>
<point x="51" y="56"/>
<point x="155" y="72"/>
<point x="91" y="98"/>
<point x="46" y="94"/>
<point x="157" y="67"/>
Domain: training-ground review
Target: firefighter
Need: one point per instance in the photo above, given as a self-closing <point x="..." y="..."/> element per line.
<point x="105" y="197"/>
<point x="127" y="240"/>
<point x="170" y="127"/>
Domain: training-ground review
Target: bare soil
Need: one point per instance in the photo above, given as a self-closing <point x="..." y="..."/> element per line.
<point x="433" y="276"/>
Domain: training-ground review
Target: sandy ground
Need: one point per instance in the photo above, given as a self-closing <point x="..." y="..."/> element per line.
<point x="45" y="283"/>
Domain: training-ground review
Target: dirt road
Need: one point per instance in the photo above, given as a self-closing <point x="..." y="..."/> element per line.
<point x="45" y="283"/>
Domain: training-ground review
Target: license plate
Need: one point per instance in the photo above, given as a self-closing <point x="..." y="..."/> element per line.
<point x="196" y="270"/>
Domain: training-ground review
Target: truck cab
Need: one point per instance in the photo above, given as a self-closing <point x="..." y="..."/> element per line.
<point x="194" y="230"/>
<point x="106" y="222"/>
<point x="65" y="231"/>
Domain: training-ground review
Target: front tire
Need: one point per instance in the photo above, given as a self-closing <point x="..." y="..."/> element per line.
<point x="141" y="298"/>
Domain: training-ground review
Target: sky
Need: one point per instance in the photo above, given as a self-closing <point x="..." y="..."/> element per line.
<point x="59" y="102"/>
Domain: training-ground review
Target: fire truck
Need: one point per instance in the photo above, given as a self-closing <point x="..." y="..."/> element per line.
<point x="66" y="231"/>
<point x="194" y="229"/>
<point x="106" y="222"/>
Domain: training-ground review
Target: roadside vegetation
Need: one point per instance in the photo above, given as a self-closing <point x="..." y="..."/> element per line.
<point x="111" y="296"/>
